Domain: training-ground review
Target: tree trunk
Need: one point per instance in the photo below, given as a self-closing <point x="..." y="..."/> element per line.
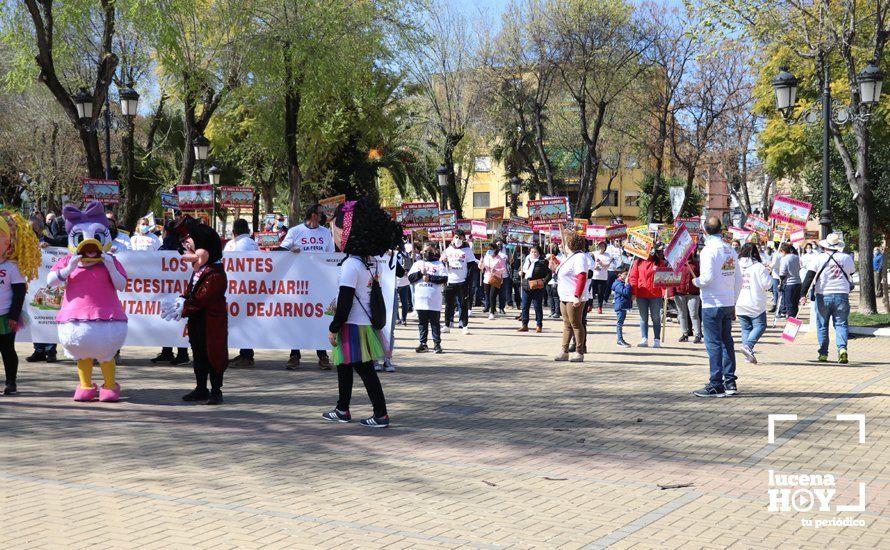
<point x="136" y="193"/>
<point x="451" y="141"/>
<point x="867" y="302"/>
<point x="294" y="175"/>
<point x="656" y="188"/>
<point x="591" y="162"/>
<point x="90" y="141"/>
<point x="188" y="152"/>
<point x="543" y="158"/>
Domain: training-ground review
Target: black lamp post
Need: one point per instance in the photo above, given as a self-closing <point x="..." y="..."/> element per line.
<point x="214" y="174"/>
<point x="129" y="102"/>
<point x="515" y="188"/>
<point x="202" y="149"/>
<point x="442" y="173"/>
<point x="869" y="80"/>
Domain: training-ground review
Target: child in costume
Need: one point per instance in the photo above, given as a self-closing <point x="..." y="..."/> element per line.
<point x="19" y="260"/>
<point x="92" y="324"/>
<point x="362" y="230"/>
<point x="204" y="305"/>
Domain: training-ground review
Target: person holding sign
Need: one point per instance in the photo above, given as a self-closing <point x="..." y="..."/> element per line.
<point x="143" y="238"/>
<point x="535" y="276"/>
<point x="241" y="242"/>
<point x="428" y="277"/>
<point x="309" y="236"/>
<point x="494" y="269"/>
<point x="832" y="272"/>
<point x="720" y="283"/>
<point x="458" y="258"/>
<point x="571" y="276"/>
<point x="650" y="298"/>
<point x="789" y="274"/>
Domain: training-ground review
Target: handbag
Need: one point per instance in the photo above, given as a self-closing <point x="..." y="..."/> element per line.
<point x="495" y="280"/>
<point x="535" y="284"/>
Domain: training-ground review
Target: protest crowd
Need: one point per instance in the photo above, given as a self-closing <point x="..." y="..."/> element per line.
<point x="449" y="275"/>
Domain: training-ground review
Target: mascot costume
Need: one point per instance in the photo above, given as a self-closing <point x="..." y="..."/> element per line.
<point x="92" y="323"/>
<point x="204" y="305"/>
<point x="19" y="260"/>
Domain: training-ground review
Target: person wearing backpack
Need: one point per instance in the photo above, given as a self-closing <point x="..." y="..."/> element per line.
<point x="832" y="272"/>
<point x="362" y="230"/>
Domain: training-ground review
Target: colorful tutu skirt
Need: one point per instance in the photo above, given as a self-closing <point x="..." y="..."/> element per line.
<point x="4" y="325"/>
<point x="357" y="344"/>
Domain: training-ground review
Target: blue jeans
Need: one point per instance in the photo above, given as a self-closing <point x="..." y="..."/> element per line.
<point x="838" y="307"/>
<point x="717" y="324"/>
<point x="621" y="314"/>
<point x="752" y="328"/>
<point x="647" y="307"/>
<point x="533" y="298"/>
<point x="612" y="276"/>
<point x="776" y="293"/>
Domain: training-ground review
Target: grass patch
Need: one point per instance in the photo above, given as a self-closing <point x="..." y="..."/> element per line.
<point x="878" y="320"/>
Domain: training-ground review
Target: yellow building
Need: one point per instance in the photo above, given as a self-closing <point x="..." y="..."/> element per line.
<point x="488" y="188"/>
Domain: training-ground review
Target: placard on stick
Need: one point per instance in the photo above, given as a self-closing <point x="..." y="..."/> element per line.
<point x="792" y="327"/>
<point x="417" y="215"/>
<point x="639" y="245"/>
<point x="553" y="210"/>
<point x="679" y="249"/>
<point x="789" y="210"/>
<point x="104" y="191"/>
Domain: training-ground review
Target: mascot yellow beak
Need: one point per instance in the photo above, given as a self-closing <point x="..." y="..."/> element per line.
<point x="90" y="250"/>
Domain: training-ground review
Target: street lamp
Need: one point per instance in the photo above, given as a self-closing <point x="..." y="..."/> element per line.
<point x="515" y="187"/>
<point x="869" y="80"/>
<point x="442" y="173"/>
<point x="214" y="175"/>
<point x="83" y="100"/>
<point x="202" y="148"/>
<point x="129" y="100"/>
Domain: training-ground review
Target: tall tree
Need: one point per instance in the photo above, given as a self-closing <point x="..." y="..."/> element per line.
<point x="72" y="45"/>
<point x="818" y="35"/>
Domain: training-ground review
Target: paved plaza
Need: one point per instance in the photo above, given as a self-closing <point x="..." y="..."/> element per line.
<point x="492" y="446"/>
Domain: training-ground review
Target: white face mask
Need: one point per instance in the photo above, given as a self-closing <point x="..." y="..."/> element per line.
<point x="457" y="243"/>
<point x="144" y="229"/>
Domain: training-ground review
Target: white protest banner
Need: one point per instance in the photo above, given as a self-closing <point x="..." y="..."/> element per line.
<point x="276" y="300"/>
<point x="678" y="195"/>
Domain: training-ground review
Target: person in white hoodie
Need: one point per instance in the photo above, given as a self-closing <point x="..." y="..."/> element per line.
<point x="720" y="283"/>
<point x="750" y="308"/>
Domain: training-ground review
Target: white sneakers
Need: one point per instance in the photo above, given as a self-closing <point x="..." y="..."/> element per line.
<point x="491" y="316"/>
<point x="466" y="330"/>
<point x="749" y="354"/>
<point x="657" y="343"/>
<point x="644" y="343"/>
<point x="562" y="357"/>
<point x="445" y="329"/>
<point x="577" y="358"/>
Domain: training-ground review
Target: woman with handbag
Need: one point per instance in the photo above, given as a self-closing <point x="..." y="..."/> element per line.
<point x="535" y="276"/>
<point x="494" y="269"/>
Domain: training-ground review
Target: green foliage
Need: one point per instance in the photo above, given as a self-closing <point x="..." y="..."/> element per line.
<point x="662" y="210"/>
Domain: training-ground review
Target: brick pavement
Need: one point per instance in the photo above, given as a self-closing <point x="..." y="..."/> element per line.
<point x="493" y="445"/>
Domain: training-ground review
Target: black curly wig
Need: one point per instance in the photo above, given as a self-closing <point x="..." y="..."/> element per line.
<point x="373" y="231"/>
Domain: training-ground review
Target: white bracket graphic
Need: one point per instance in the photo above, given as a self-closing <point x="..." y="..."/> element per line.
<point x="771" y="438"/>
<point x="854" y="418"/>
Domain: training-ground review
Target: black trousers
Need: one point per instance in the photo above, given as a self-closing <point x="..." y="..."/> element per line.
<point x="246" y="353"/>
<point x="553" y="297"/>
<point x="456" y="293"/>
<point x="322" y="354"/>
<point x="491" y="298"/>
<point x="601" y="287"/>
<point x="369" y="379"/>
<point x="200" y="359"/>
<point x="179" y="351"/>
<point x="9" y="356"/>
<point x="405" y="304"/>
<point x="427" y="319"/>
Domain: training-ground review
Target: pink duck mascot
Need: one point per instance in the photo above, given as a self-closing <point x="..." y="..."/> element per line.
<point x="92" y="323"/>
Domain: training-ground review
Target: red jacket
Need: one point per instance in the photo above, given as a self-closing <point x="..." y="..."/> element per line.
<point x="642" y="279"/>
<point x="206" y="311"/>
<point x="686" y="287"/>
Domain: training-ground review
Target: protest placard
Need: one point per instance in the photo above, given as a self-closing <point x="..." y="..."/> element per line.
<point x="596" y="232"/>
<point x="553" y="210"/>
<point x="665" y="277"/>
<point x="679" y="249"/>
<point x="104" y="191"/>
<point x="267" y="239"/>
<point x="169" y="201"/>
<point x="330" y="204"/>
<point x="618" y="231"/>
<point x="693" y="225"/>
<point x="236" y="197"/>
<point x="740" y="234"/>
<point x="789" y="210"/>
<point x="757" y="224"/>
<point x="447" y="219"/>
<point x="494" y="214"/>
<point x="792" y="327"/>
<point x="520" y="236"/>
<point x="420" y="215"/>
<point x="638" y="245"/>
<point x="195" y="197"/>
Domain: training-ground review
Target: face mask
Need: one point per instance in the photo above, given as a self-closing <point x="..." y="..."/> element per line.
<point x="144" y="229"/>
<point x="457" y="243"/>
<point x="430" y="256"/>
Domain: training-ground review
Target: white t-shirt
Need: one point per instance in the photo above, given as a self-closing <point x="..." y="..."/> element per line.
<point x="567" y="274"/>
<point x="122" y="242"/>
<point x="428" y="296"/>
<point x="354" y="274"/>
<point x="756" y="282"/>
<point x="9" y="275"/>
<point x="148" y="241"/>
<point x="241" y="243"/>
<point x="309" y="240"/>
<point x="615" y="253"/>
<point x="832" y="279"/>
<point x="456" y="260"/>
<point x="605" y="260"/>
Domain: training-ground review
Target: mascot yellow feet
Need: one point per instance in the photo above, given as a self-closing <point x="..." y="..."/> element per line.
<point x="87" y="390"/>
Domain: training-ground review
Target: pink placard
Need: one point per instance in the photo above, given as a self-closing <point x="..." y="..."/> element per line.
<point x="616" y="231"/>
<point x="596" y="232"/>
<point x="679" y="249"/>
<point x="788" y="210"/>
<point x="758" y="225"/>
<point x="792" y="327"/>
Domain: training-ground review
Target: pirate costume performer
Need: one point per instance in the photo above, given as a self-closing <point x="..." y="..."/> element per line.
<point x="204" y="305"/>
<point x="361" y="230"/>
